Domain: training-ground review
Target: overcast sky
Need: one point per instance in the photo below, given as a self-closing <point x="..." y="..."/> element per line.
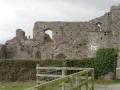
<point x="23" y="14"/>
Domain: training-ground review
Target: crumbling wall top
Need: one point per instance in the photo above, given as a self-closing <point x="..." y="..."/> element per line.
<point x="20" y="33"/>
<point x="117" y="7"/>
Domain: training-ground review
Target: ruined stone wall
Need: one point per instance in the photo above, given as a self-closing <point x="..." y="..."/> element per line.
<point x="3" y="51"/>
<point x="61" y="35"/>
<point x="19" y="46"/>
<point x="115" y="25"/>
<point x="73" y="40"/>
<point x="20" y="34"/>
<point x="69" y="40"/>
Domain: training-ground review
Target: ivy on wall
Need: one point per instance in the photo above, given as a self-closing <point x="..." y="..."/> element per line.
<point x="104" y="62"/>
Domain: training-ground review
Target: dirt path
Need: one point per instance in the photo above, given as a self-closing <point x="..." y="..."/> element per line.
<point x="108" y="87"/>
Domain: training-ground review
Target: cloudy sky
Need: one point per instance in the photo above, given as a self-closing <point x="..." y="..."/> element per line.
<point x="24" y="13"/>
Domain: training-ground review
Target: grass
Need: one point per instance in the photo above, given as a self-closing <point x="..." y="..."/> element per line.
<point x="110" y="81"/>
<point x="107" y="82"/>
<point x="16" y="85"/>
<point x="28" y="84"/>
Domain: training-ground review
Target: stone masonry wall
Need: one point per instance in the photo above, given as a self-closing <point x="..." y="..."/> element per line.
<point x="68" y="40"/>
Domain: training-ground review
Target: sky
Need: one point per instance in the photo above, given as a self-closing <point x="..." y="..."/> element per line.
<point x="22" y="14"/>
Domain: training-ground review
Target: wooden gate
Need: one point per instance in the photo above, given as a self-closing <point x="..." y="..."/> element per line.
<point x="64" y="78"/>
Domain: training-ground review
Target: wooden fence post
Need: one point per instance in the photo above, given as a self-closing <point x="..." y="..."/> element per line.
<point x="63" y="74"/>
<point x="87" y="80"/>
<point x="92" y="79"/>
<point x="38" y="72"/>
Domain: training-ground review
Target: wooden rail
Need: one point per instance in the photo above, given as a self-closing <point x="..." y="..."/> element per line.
<point x="82" y="79"/>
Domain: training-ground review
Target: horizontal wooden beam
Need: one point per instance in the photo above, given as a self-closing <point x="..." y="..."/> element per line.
<point x="48" y="75"/>
<point x="62" y="68"/>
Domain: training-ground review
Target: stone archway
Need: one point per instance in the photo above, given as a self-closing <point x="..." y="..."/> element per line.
<point x="60" y="56"/>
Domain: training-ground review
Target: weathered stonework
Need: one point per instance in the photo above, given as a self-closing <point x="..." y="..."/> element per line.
<point x="3" y="51"/>
<point x="68" y="40"/>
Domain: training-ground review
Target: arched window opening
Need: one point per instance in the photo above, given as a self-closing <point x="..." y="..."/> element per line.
<point x="99" y="26"/>
<point x="48" y="35"/>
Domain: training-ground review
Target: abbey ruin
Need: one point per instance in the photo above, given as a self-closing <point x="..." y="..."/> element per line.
<point x="66" y="40"/>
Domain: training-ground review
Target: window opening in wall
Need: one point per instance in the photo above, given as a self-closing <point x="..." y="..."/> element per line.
<point x="48" y="34"/>
<point x="99" y="26"/>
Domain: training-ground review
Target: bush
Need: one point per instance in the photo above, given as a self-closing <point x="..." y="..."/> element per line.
<point x="104" y="62"/>
<point x="17" y="70"/>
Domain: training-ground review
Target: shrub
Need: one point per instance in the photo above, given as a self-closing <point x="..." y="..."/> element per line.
<point x="104" y="62"/>
<point x="17" y="70"/>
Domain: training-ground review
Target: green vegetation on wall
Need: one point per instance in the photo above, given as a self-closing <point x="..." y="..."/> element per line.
<point x="20" y="70"/>
<point x="17" y="70"/>
<point x="104" y="62"/>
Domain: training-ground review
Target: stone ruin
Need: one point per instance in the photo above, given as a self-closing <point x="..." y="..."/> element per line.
<point x="66" y="40"/>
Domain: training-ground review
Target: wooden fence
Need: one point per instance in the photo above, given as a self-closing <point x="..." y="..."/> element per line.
<point x="64" y="78"/>
<point x="118" y="73"/>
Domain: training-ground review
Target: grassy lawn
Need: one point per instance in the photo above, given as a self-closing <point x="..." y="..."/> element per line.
<point x="28" y="84"/>
<point x="16" y="85"/>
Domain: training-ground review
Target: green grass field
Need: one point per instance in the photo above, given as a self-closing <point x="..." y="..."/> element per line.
<point x="25" y="85"/>
<point x="16" y="85"/>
